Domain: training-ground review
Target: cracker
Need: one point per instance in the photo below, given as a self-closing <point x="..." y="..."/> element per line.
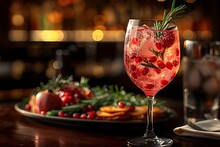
<point x="112" y="109"/>
<point x="107" y="114"/>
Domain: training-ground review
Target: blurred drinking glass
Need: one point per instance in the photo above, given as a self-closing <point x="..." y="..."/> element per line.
<point x="201" y="79"/>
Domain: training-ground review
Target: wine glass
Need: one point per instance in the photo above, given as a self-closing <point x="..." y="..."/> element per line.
<point x="151" y="60"/>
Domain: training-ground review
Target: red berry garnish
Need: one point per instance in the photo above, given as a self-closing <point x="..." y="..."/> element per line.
<point x="152" y="59"/>
<point x="177" y="52"/>
<point x="168" y="39"/>
<point x="164" y="82"/>
<point x="75" y="115"/>
<point x="134" y="75"/>
<point x="133" y="67"/>
<point x="149" y="86"/>
<point x="175" y="62"/>
<point x="164" y="40"/>
<point x="61" y="114"/>
<point x="121" y="104"/>
<point x="83" y="116"/>
<point x="91" y="115"/>
<point x="169" y="65"/>
<point x="159" y="45"/>
<point x="43" y="112"/>
<point x="133" y="55"/>
<point x="90" y="108"/>
<point x="144" y="71"/>
<point x="138" y="59"/>
<point x="161" y="64"/>
<point x="134" y="40"/>
<point x="157" y="71"/>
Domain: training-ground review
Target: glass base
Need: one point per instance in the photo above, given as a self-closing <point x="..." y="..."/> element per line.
<point x="157" y="142"/>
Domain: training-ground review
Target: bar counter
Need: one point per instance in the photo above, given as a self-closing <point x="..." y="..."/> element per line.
<point x="19" y="130"/>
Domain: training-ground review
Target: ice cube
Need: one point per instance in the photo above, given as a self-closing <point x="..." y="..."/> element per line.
<point x="207" y="67"/>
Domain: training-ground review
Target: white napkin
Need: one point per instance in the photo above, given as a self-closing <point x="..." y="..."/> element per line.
<point x="206" y="124"/>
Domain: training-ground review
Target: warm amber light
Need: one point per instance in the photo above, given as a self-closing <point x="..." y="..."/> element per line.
<point x="98" y="71"/>
<point x="189" y="34"/>
<point x="97" y="35"/>
<point x="18" y="35"/>
<point x="48" y="35"/>
<point x="55" y="17"/>
<point x="17" y="20"/>
<point x="52" y="35"/>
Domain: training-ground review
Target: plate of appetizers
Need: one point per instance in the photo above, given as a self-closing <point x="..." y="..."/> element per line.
<point x="65" y="102"/>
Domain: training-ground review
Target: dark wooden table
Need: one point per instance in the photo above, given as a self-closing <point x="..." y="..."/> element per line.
<point x="19" y="130"/>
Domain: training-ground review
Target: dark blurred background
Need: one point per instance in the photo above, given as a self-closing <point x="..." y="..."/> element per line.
<point x="41" y="38"/>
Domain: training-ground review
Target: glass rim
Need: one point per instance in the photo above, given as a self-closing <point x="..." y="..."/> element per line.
<point x="144" y="19"/>
<point x="139" y="22"/>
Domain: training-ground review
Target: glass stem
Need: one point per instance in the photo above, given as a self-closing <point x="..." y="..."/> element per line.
<point x="150" y="135"/>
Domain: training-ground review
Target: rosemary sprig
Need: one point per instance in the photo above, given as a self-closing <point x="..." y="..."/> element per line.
<point x="106" y="95"/>
<point x="174" y="13"/>
<point x="149" y="64"/>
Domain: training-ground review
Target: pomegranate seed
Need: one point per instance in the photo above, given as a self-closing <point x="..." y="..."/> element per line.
<point x="134" y="75"/>
<point x="83" y="116"/>
<point x="133" y="55"/>
<point x="92" y="112"/>
<point x="159" y="45"/>
<point x="177" y="52"/>
<point x="91" y="115"/>
<point x="43" y="112"/>
<point x="168" y="39"/>
<point x="164" y="82"/>
<point x="134" y="41"/>
<point x="157" y="71"/>
<point x="138" y="59"/>
<point x="161" y="64"/>
<point x="75" y="115"/>
<point x="121" y="104"/>
<point x="149" y="86"/>
<point x="133" y="67"/>
<point x="175" y="63"/>
<point x="144" y="71"/>
<point x="169" y="65"/>
<point x="61" y="114"/>
<point x="152" y="59"/>
<point x="90" y="108"/>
